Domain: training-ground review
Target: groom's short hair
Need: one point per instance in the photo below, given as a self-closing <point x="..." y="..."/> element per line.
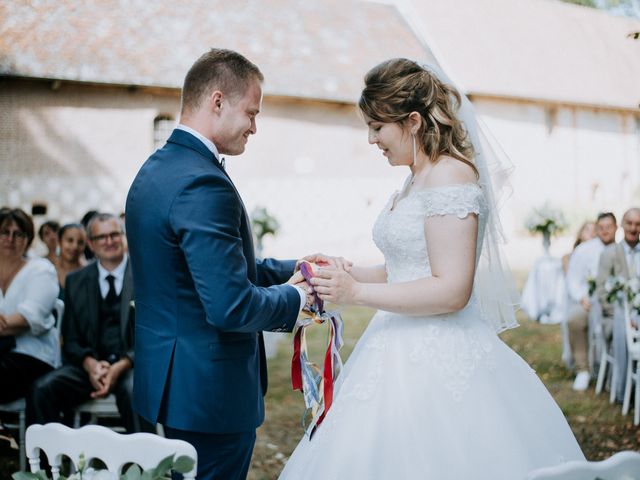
<point x="218" y="69"/>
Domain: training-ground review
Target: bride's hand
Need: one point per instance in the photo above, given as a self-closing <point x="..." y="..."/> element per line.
<point x="323" y="260"/>
<point x="335" y="286"/>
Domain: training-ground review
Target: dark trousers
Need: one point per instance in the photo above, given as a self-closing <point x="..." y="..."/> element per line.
<point x="17" y="373"/>
<point x="69" y="386"/>
<point x="220" y="456"/>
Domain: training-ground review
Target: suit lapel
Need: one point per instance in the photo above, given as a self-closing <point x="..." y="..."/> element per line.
<point x="622" y="259"/>
<point x="185" y="139"/>
<point x="125" y="300"/>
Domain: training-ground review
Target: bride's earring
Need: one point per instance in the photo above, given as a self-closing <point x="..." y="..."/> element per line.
<point x="413" y="137"/>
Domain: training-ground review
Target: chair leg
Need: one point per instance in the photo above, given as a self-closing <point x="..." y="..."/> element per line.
<point x="636" y="406"/>
<point x="23" y="451"/>
<point x="76" y="419"/>
<point x="34" y="463"/>
<point x="602" y="372"/>
<point x="627" y="388"/>
<point x="614" y="384"/>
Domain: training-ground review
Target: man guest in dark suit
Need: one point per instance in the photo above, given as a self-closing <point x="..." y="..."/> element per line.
<point x="97" y="331"/>
<point x="202" y="297"/>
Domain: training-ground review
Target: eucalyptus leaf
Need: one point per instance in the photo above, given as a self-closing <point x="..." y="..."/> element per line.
<point x="132" y="473"/>
<point x="24" y="476"/>
<point x="148" y="475"/>
<point x="183" y="464"/>
<point x="164" y="466"/>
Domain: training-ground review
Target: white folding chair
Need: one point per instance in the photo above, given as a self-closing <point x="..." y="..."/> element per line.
<point x="18" y="407"/>
<point x="621" y="466"/>
<point x="607" y="368"/>
<point x="99" y="408"/>
<point x="115" y="450"/>
<point x="633" y="366"/>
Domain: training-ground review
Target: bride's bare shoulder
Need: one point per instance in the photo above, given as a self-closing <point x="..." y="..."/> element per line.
<point x="450" y="171"/>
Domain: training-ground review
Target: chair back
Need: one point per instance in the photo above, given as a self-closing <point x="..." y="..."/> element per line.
<point x="632" y="333"/>
<point x="115" y="450"/>
<point x="621" y="466"/>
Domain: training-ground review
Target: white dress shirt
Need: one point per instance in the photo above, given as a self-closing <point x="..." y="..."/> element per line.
<point x="117" y="273"/>
<point x="33" y="293"/>
<point x="583" y="264"/>
<point x="211" y="146"/>
<point x="207" y="143"/>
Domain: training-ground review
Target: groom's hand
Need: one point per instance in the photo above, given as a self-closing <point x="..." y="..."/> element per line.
<point x="322" y="260"/>
<point x="297" y="280"/>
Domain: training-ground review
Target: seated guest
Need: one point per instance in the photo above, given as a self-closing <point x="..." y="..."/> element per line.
<point x="72" y="240"/>
<point x="29" y="344"/>
<point x="98" y="331"/>
<point x="583" y="266"/>
<point x="620" y="259"/>
<point x="88" y="254"/>
<point x="585" y="233"/>
<point x="48" y="233"/>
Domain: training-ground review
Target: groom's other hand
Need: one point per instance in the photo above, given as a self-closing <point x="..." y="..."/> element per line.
<point x="322" y="260"/>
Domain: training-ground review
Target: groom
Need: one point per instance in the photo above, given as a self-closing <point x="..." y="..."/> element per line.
<point x="202" y="299"/>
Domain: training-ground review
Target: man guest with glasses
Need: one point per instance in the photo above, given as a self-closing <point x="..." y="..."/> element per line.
<point x="97" y="331"/>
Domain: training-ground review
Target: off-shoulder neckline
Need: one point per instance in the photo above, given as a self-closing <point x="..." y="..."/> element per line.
<point x="395" y="201"/>
<point x="447" y="185"/>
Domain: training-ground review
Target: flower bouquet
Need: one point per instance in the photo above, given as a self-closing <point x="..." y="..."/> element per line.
<point x="545" y="220"/>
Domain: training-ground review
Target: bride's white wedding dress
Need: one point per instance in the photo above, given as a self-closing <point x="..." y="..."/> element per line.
<point x="438" y="397"/>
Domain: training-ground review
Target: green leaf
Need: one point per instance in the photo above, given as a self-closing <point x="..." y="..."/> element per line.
<point x="132" y="473"/>
<point x="183" y="464"/>
<point x="164" y="466"/>
<point x="24" y="476"/>
<point x="148" y="475"/>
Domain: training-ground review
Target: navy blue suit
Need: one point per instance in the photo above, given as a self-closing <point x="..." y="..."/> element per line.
<point x="201" y="297"/>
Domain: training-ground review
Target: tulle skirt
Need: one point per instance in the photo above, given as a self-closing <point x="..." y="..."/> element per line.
<point x="435" y="398"/>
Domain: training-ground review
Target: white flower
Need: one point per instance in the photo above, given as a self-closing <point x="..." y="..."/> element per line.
<point x="636" y="301"/>
<point x="633" y="285"/>
<point x="545" y="219"/>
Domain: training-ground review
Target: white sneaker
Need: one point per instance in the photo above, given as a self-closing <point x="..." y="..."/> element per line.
<point x="581" y="383"/>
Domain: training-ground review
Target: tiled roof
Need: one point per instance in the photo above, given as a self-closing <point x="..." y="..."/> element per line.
<point x="536" y="49"/>
<point x="306" y="48"/>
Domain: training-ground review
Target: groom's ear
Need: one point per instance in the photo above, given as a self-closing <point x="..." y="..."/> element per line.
<point x="215" y="100"/>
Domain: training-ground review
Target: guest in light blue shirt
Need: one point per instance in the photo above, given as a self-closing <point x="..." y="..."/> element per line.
<point x="29" y="342"/>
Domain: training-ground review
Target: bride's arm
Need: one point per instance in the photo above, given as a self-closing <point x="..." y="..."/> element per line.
<point x="375" y="274"/>
<point x="452" y="255"/>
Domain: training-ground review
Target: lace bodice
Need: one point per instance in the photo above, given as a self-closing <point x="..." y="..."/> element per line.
<point x="399" y="230"/>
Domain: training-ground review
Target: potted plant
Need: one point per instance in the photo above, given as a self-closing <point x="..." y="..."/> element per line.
<point x="263" y="224"/>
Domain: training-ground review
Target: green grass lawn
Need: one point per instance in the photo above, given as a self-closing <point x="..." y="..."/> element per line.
<point x="600" y="427"/>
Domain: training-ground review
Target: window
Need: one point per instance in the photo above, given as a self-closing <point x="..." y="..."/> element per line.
<point x="162" y="127"/>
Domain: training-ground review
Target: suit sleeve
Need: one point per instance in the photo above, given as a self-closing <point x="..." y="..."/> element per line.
<point x="274" y="272"/>
<point x="75" y="346"/>
<point x="605" y="270"/>
<point x="206" y="217"/>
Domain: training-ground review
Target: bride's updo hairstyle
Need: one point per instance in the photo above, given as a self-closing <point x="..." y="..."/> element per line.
<point x="397" y="87"/>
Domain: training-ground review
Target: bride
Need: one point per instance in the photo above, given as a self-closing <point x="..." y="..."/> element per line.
<point x="431" y="391"/>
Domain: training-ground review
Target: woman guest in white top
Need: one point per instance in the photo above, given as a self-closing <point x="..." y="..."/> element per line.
<point x="29" y="345"/>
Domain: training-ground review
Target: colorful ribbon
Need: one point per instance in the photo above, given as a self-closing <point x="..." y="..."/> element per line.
<point x="316" y="385"/>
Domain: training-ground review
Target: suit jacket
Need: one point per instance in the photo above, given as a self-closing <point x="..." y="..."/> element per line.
<point x="82" y="315"/>
<point x="201" y="297"/>
<point x="613" y="261"/>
